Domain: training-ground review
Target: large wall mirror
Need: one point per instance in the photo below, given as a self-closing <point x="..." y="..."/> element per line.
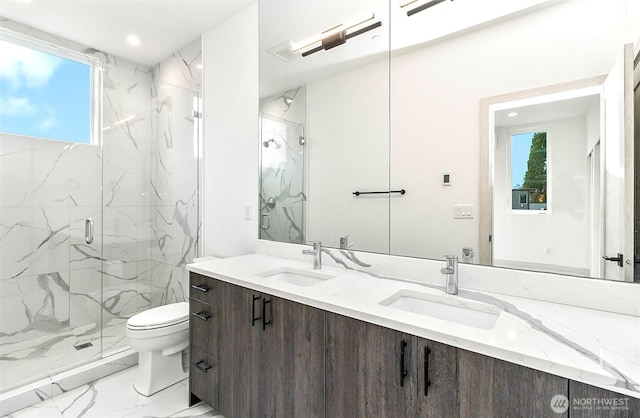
<point x="408" y="103"/>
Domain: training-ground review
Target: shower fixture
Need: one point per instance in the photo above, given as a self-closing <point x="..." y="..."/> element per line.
<point x="266" y="143"/>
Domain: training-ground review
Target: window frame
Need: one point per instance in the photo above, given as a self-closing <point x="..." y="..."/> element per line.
<point x="95" y="81"/>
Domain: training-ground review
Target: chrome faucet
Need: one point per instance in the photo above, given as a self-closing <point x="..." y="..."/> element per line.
<point x="451" y="270"/>
<point x="316" y="253"/>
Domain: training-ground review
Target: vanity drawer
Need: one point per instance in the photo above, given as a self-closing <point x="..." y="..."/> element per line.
<point x="203" y="326"/>
<point x="203" y="377"/>
<point x="204" y="289"/>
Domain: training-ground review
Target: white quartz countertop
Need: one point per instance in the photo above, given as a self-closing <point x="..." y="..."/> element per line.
<point x="590" y="346"/>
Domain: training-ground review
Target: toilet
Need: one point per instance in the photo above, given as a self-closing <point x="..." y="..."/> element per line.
<point x="160" y="335"/>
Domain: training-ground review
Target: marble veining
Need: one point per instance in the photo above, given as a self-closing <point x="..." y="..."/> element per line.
<point x="593" y="347"/>
<point x="114" y="396"/>
<point x="140" y="188"/>
<point x="51" y="280"/>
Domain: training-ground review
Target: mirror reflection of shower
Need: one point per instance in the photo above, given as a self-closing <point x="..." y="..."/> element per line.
<point x="266" y="143"/>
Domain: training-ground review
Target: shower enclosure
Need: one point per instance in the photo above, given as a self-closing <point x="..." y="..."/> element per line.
<point x="91" y="234"/>
<point x="281" y="180"/>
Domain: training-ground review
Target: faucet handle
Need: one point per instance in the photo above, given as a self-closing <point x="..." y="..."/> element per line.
<point x="344" y="243"/>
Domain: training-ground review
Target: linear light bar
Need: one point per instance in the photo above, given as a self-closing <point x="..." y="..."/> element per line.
<point x="405" y="3"/>
<point x="336" y="30"/>
<point x="424" y="7"/>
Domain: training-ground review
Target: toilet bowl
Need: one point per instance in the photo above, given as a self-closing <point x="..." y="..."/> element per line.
<point x="160" y="335"/>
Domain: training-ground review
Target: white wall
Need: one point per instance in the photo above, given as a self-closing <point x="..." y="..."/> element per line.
<point x="434" y="125"/>
<point x="559" y="238"/>
<point x="435" y="103"/>
<point x="347" y="142"/>
<point x="230" y="93"/>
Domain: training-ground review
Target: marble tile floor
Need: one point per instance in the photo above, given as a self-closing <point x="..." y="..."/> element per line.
<point x="41" y="353"/>
<point x="114" y="397"/>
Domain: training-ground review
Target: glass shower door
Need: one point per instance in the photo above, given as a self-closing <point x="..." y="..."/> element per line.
<point x="50" y="256"/>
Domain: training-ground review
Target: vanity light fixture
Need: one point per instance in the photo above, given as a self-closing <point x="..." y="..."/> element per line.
<point x="422" y="7"/>
<point x="336" y="35"/>
<point x="405" y="3"/>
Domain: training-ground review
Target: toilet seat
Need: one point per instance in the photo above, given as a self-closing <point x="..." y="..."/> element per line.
<point x="160" y="317"/>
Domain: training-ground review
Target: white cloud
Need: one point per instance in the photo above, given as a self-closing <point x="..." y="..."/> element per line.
<point x="24" y="66"/>
<point x="49" y="121"/>
<point x="14" y="106"/>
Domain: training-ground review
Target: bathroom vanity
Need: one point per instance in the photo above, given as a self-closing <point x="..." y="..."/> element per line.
<point x="281" y="339"/>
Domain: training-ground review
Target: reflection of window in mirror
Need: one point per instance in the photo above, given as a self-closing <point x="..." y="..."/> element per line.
<point x="529" y="163"/>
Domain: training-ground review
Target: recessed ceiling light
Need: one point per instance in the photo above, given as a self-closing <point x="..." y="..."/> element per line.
<point x="133" y="40"/>
<point x="199" y="66"/>
<point x="512" y="114"/>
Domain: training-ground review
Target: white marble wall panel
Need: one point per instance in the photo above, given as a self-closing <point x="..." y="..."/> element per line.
<point x="45" y="183"/>
<point x="120" y="289"/>
<point x="175" y="235"/>
<point x="85" y="175"/>
<point x="169" y="284"/>
<point x="175" y="219"/>
<point x="33" y="305"/>
<point x="175" y="157"/>
<point x="183" y="68"/>
<point x="34" y="240"/>
<point x="85" y="287"/>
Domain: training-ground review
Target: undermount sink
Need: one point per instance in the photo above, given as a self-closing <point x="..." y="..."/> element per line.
<point x="295" y="276"/>
<point x="449" y="308"/>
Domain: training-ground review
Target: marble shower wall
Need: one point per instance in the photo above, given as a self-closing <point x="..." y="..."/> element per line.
<point x="175" y="221"/>
<point x="127" y="151"/>
<point x="282" y="158"/>
<point x="51" y="281"/>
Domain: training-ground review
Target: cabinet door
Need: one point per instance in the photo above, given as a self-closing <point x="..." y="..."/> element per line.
<point x="588" y="401"/>
<point x="289" y="356"/>
<point x="437" y="379"/>
<point x="364" y="367"/>
<point x="488" y="387"/>
<point x="235" y="367"/>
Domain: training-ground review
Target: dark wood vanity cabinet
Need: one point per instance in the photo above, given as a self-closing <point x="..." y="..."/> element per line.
<point x="271" y="355"/>
<point x="365" y="370"/>
<point x="488" y="387"/>
<point x="374" y="371"/>
<point x="204" y="321"/>
<point x="276" y="358"/>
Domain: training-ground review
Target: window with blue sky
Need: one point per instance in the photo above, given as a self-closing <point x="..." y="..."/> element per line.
<point x="44" y="95"/>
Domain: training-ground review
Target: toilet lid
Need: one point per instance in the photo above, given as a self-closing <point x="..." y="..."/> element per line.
<point x="161" y="316"/>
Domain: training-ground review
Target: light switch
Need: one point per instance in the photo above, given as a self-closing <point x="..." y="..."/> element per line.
<point x="463" y="211"/>
<point x="248" y="209"/>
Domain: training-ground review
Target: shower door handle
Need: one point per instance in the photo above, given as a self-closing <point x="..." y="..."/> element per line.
<point x="266" y="221"/>
<point x="88" y="231"/>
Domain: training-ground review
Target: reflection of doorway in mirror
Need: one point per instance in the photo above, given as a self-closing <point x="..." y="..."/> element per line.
<point x="541" y="199"/>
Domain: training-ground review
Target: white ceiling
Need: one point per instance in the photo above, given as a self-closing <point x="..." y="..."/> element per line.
<point x="163" y="26"/>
